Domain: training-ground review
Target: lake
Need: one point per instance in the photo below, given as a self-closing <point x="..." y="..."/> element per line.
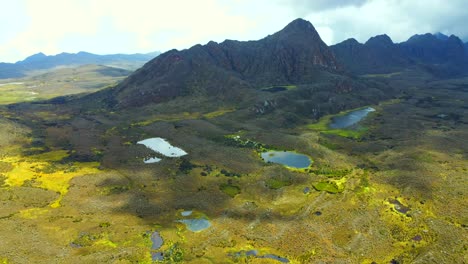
<point x="350" y="118"/>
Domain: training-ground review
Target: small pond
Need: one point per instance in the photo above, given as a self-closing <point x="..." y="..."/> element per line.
<point x="350" y="118"/>
<point x="254" y="253"/>
<point x="288" y="158"/>
<point x="161" y="146"/>
<point x="151" y="160"/>
<point x="157" y="242"/>
<point x="195" y="225"/>
<point x="186" y="213"/>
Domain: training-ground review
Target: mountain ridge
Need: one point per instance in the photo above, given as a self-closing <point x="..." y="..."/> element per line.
<point x="295" y="54"/>
<point x="40" y="61"/>
<point x="442" y="55"/>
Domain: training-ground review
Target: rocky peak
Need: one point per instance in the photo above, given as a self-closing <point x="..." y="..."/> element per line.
<point x="441" y="36"/>
<point x="351" y="41"/>
<point x="422" y="38"/>
<point x="454" y="39"/>
<point x="380" y="40"/>
<point x="35" y="57"/>
<point x="297" y="30"/>
<point x="298" y="26"/>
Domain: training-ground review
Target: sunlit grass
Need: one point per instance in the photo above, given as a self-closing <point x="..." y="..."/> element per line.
<point x="41" y="171"/>
<point x="183" y="116"/>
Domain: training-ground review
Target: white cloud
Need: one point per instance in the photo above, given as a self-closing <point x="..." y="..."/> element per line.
<point x="399" y="19"/>
<point x="131" y="26"/>
<point x="111" y="26"/>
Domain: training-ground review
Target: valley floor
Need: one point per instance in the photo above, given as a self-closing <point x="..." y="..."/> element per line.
<point x="74" y="189"/>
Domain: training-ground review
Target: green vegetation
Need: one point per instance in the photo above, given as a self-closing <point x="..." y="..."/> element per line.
<point x="275" y="183"/>
<point x="229" y="189"/>
<point x="183" y="116"/>
<point x="174" y="254"/>
<point x="331" y="186"/>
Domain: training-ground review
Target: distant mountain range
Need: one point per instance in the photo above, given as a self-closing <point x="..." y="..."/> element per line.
<point x="40" y="61"/>
<point x="440" y="54"/>
<point x="295" y="55"/>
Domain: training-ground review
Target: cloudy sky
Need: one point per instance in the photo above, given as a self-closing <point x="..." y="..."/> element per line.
<point x="130" y="26"/>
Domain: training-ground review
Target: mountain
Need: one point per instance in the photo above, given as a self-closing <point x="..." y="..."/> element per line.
<point x="40" y="61"/>
<point x="441" y="36"/>
<point x="440" y="54"/>
<point x="294" y="55"/>
<point x="466" y="49"/>
<point x="430" y="49"/>
<point x="378" y="55"/>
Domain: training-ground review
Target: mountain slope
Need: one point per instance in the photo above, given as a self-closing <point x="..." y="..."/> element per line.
<point x="378" y="55"/>
<point x="293" y="55"/>
<point x="439" y="54"/>
<point x="443" y="57"/>
<point x="431" y="49"/>
<point x="466" y="48"/>
<point x="40" y="61"/>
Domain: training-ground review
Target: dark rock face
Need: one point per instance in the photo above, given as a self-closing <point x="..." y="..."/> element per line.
<point x="430" y="49"/>
<point x="443" y="57"/>
<point x="378" y="55"/>
<point x="295" y="54"/>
